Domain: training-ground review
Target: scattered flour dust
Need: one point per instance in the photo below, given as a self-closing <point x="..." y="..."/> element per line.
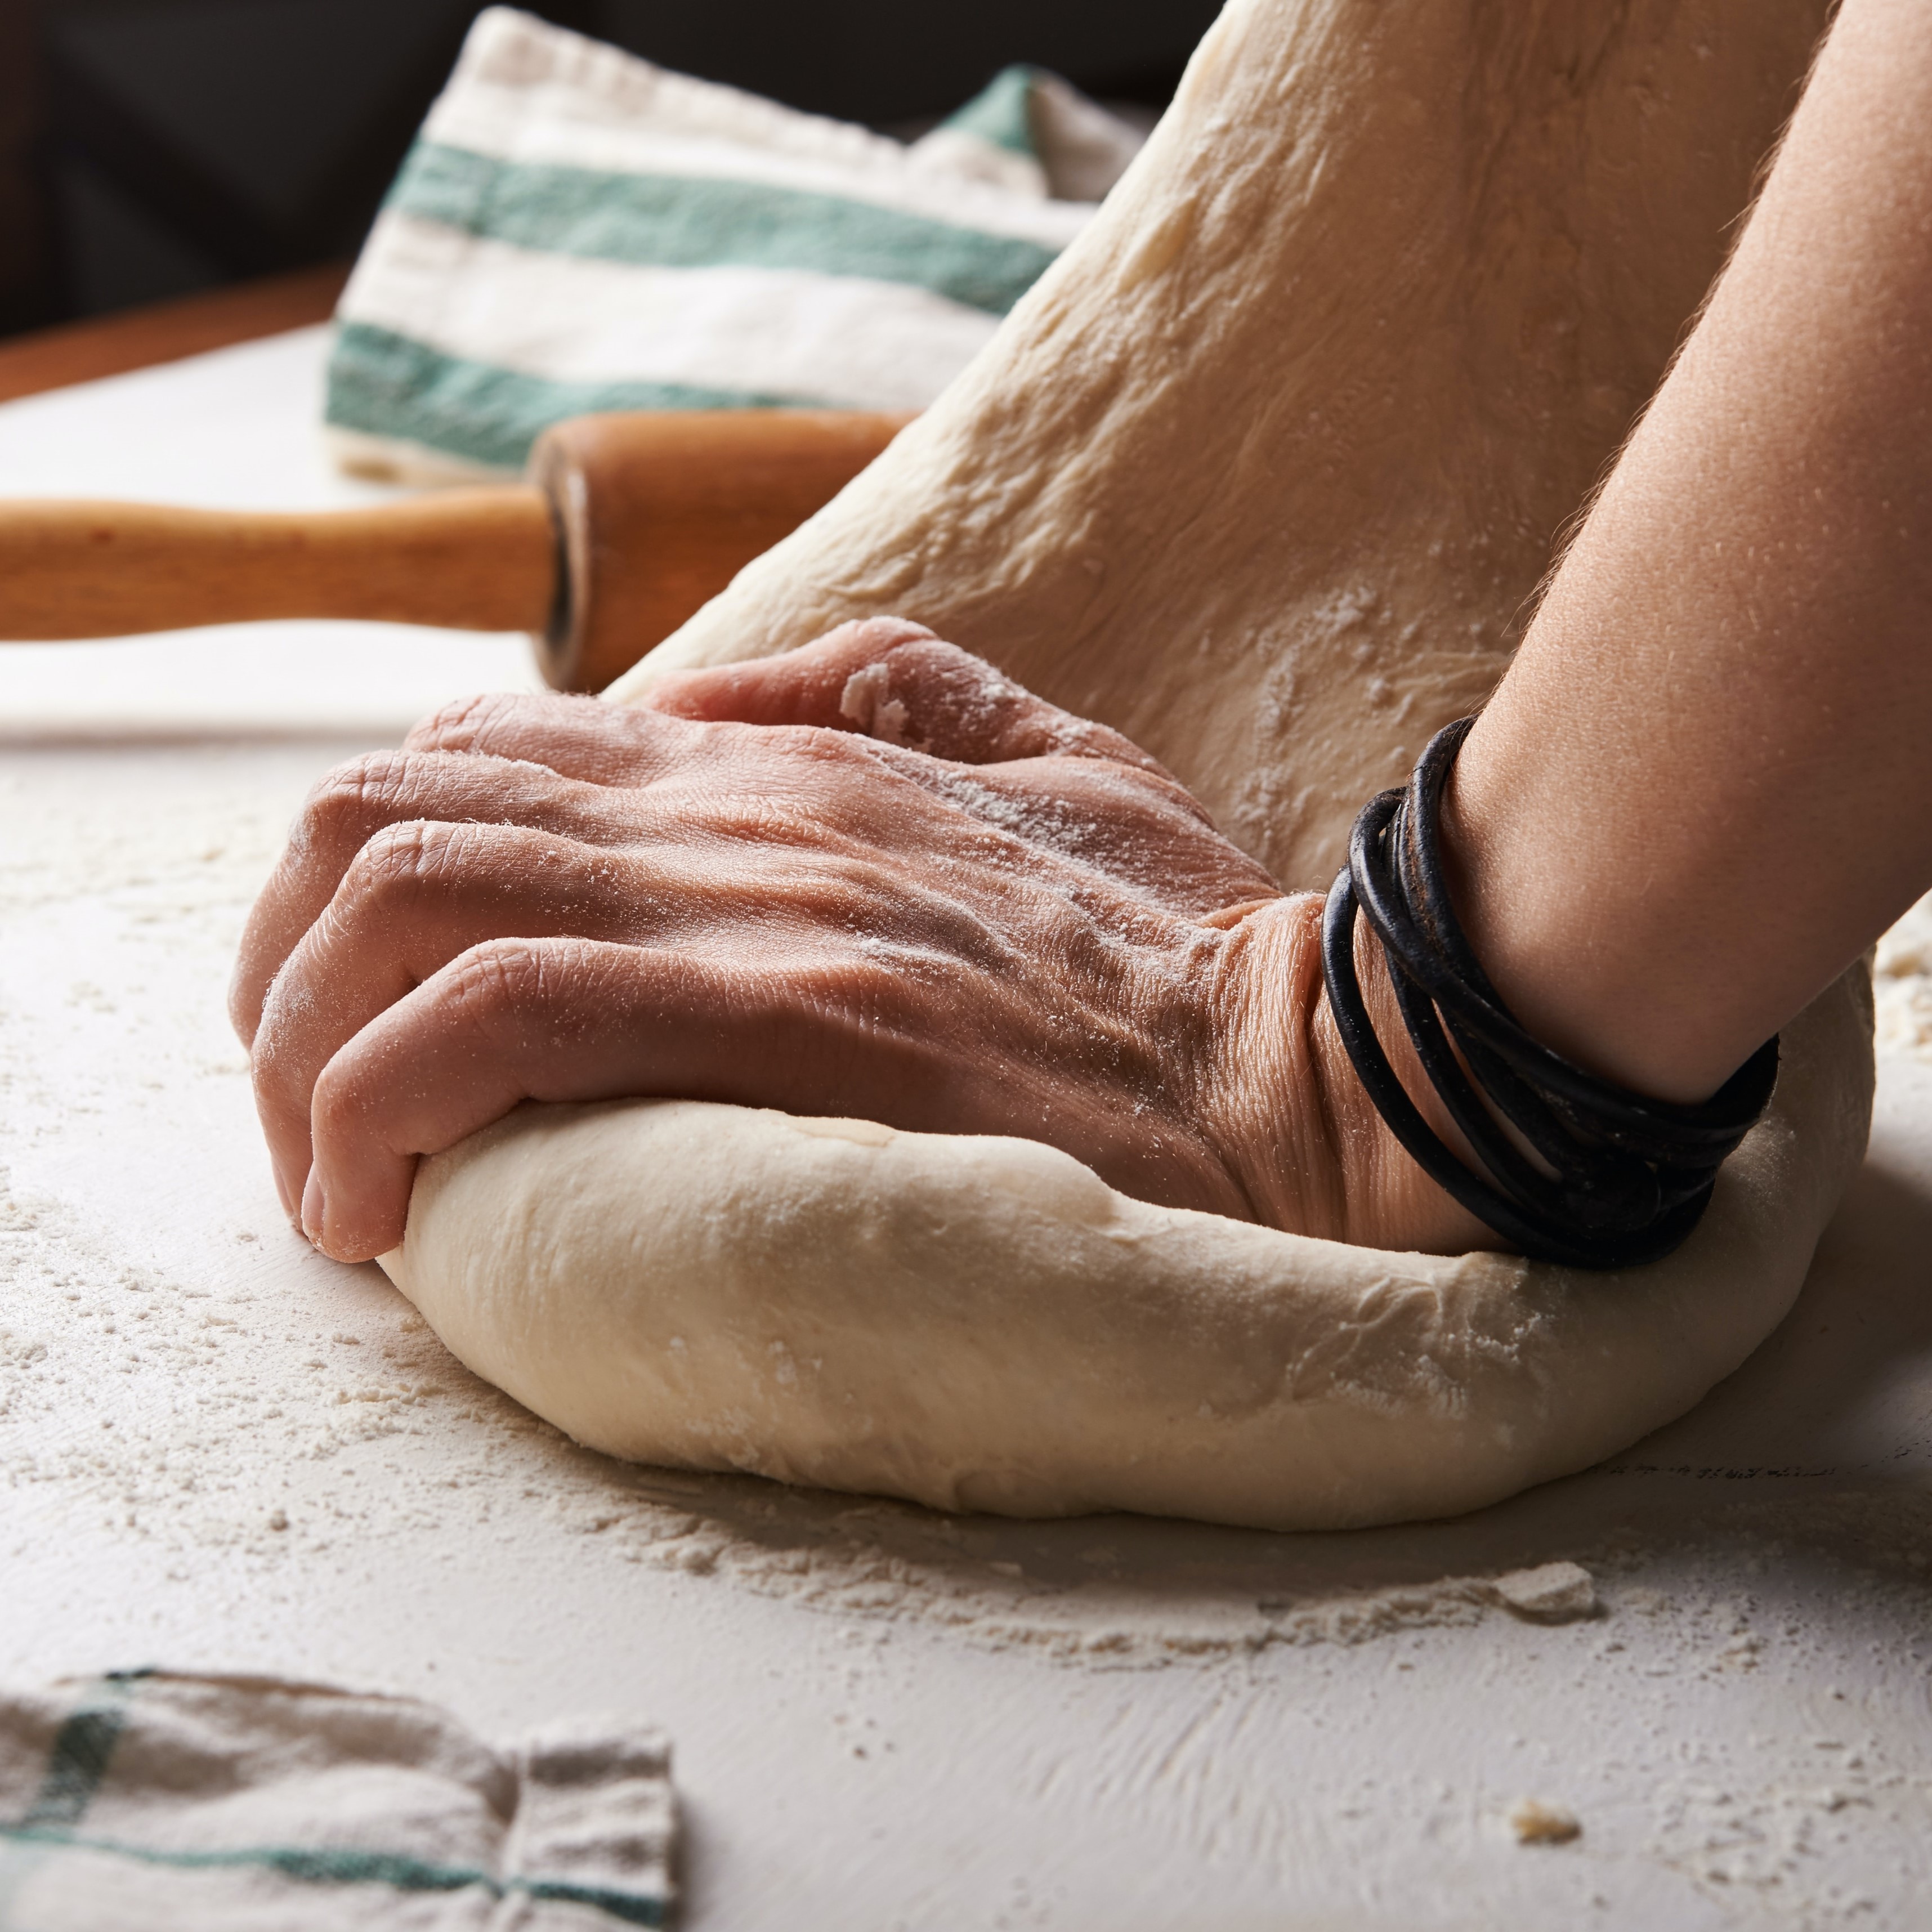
<point x="211" y="1388"/>
<point x="228" y="1400"/>
<point x="244" y="1394"/>
<point x="220" y="1413"/>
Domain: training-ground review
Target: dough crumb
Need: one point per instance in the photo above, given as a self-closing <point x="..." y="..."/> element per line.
<point x="1535" y="1823"/>
<point x="1551" y="1593"/>
<point x="869" y="702"/>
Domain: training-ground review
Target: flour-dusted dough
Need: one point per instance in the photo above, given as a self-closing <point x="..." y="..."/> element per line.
<point x="1261" y="473"/>
<point x="981" y="1323"/>
<point x="1264" y="470"/>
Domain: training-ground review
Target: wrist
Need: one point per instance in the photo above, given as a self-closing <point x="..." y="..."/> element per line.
<point x="1291" y="1119"/>
<point x="1581" y="942"/>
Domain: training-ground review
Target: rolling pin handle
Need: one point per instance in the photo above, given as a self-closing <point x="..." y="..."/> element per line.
<point x="470" y="560"/>
<point x="656" y="513"/>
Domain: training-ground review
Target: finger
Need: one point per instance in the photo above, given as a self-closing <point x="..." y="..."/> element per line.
<point x="895" y="681"/>
<point x="581" y="738"/>
<point x="357" y="800"/>
<point x="824" y="1032"/>
<point x="415" y="896"/>
<point x="803" y="686"/>
<point x="570" y="1019"/>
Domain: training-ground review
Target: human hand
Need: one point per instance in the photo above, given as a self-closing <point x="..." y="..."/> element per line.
<point x="869" y="877"/>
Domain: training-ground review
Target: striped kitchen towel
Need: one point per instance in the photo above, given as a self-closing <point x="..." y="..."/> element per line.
<point x="144" y="1801"/>
<point x="576" y="229"/>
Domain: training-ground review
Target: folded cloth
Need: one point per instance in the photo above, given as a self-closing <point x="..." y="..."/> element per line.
<point x="576" y="230"/>
<point x="145" y="1801"/>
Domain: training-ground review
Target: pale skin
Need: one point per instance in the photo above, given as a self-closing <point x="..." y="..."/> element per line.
<point x="870" y="878"/>
<point x="1702" y="788"/>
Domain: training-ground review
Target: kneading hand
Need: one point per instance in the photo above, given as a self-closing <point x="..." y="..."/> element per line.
<point x="871" y="877"/>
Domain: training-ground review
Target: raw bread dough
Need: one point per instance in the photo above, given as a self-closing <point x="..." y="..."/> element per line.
<point x="981" y="1323"/>
<point x="1261" y="473"/>
<point x="1264" y="469"/>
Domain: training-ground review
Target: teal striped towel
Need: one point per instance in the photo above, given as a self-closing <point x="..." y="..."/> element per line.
<point x="576" y="229"/>
<point x="143" y="1801"/>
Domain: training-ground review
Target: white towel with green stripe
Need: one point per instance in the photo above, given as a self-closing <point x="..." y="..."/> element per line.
<point x="145" y="1801"/>
<point x="576" y="230"/>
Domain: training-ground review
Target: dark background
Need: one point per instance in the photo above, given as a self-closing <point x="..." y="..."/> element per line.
<point x="151" y="148"/>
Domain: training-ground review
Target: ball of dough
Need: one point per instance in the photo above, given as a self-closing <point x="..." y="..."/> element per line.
<point x="1262" y="472"/>
<point x="980" y="1323"/>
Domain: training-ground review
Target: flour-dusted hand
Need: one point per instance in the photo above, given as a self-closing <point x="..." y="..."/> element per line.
<point x="872" y="877"/>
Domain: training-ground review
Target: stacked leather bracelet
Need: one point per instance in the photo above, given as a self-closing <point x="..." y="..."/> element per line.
<point x="1619" y="1179"/>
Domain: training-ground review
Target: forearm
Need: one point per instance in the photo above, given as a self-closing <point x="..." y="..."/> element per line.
<point x="1706" y="782"/>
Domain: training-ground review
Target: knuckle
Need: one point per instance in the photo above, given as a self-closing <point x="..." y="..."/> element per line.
<point x="879" y="637"/>
<point x="494" y="978"/>
<point x="509" y="993"/>
<point x="935" y="655"/>
<point x="265" y="1052"/>
<point x="347" y="802"/>
<point x="398" y="861"/>
<point x="456" y="726"/>
<point x="290" y="998"/>
<point x="335" y="1102"/>
<point x="277" y="1063"/>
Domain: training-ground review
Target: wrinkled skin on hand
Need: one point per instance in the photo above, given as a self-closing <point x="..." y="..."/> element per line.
<point x="871" y="877"/>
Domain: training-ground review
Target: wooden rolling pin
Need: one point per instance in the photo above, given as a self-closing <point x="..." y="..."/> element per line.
<point x="624" y="525"/>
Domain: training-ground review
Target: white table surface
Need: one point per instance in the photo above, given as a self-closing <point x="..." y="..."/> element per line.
<point x="883" y="1718"/>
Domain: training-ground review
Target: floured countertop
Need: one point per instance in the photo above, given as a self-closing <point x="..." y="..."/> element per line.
<point x="218" y="1450"/>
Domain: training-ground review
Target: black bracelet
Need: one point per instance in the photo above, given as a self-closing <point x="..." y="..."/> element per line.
<point x="1627" y="1178"/>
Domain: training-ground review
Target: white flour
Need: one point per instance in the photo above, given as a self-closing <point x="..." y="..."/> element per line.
<point x="1734" y="1615"/>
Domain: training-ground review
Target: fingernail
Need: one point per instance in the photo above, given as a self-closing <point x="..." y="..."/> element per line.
<point x="315" y="1207"/>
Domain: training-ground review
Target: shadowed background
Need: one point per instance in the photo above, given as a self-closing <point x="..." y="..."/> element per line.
<point x="153" y="148"/>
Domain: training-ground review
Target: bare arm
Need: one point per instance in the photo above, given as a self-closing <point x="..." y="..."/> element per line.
<point x="1702" y="788"/>
<point x="1705" y="784"/>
